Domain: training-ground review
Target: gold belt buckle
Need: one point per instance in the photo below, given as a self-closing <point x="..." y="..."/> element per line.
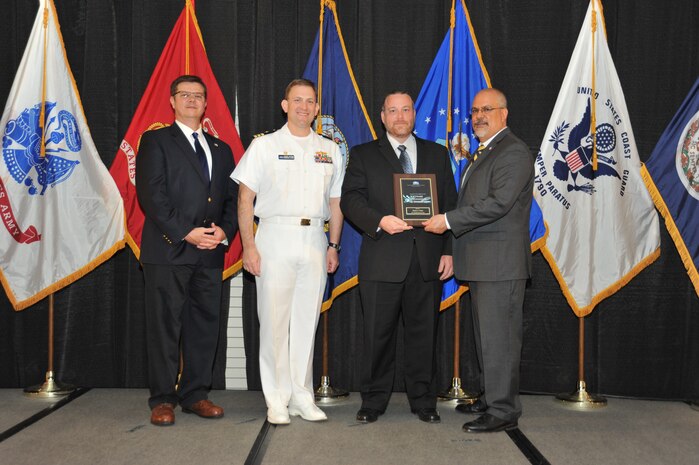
<point x="305" y="222"/>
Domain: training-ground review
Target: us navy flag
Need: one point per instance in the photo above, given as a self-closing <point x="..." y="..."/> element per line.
<point x="344" y="119"/>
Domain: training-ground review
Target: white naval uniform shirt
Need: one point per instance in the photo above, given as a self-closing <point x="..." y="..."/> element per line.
<point x="288" y="180"/>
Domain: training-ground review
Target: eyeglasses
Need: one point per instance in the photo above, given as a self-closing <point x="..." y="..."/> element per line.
<point x="485" y="110"/>
<point x="187" y="95"/>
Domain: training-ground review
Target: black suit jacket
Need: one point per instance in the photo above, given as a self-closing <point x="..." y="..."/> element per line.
<point x="176" y="197"/>
<point x="367" y="196"/>
<point x="491" y="221"/>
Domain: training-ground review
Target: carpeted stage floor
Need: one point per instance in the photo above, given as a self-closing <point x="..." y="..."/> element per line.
<point x="111" y="426"/>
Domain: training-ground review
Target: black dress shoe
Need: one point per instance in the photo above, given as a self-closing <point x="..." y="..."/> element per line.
<point x="428" y="415"/>
<point x="475" y="408"/>
<point x="367" y="415"/>
<point x="487" y="423"/>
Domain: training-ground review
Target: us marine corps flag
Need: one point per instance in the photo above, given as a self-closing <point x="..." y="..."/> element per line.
<point x="672" y="176"/>
<point x="603" y="228"/>
<point x="184" y="53"/>
<point x="61" y="212"/>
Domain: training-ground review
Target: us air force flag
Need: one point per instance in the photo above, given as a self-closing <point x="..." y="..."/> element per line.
<point x="61" y="212"/>
<point x="603" y="228"/>
<point x="672" y="176"/>
<point x="344" y="119"/>
<point x="443" y="113"/>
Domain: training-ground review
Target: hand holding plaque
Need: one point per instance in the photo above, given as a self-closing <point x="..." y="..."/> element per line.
<point x="415" y="197"/>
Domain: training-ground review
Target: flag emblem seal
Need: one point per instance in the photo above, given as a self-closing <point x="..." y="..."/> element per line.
<point x="21" y="149"/>
<point x="331" y="131"/>
<point x="687" y="159"/>
<point x="575" y="163"/>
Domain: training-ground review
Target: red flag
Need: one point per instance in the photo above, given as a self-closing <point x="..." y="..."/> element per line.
<point x="184" y="53"/>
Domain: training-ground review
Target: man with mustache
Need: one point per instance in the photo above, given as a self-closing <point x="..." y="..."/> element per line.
<point x="291" y="180"/>
<point x="401" y="268"/>
<point x="492" y="252"/>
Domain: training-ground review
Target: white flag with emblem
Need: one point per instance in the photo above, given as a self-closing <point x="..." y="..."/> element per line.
<point x="603" y="227"/>
<point x="61" y="212"/>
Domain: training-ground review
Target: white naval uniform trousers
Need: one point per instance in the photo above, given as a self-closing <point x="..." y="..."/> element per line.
<point x="289" y="295"/>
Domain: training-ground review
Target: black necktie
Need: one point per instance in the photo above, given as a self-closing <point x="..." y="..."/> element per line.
<point x="202" y="156"/>
<point x="405" y="160"/>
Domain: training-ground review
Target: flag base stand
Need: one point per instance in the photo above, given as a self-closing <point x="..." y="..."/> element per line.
<point x="50" y="389"/>
<point x="694" y="404"/>
<point x="581" y="399"/>
<point x="326" y="394"/>
<point x="456" y="394"/>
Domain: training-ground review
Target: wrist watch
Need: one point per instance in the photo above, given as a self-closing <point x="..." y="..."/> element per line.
<point x="335" y="246"/>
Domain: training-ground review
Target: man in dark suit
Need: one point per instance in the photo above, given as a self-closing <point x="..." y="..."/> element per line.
<point x="492" y="252"/>
<point x="189" y="201"/>
<point x="400" y="267"/>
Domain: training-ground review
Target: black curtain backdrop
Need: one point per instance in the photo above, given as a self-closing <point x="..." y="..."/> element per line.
<point x="641" y="342"/>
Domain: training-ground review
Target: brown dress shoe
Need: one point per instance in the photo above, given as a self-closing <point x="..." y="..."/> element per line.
<point x="163" y="415"/>
<point x="205" y="409"/>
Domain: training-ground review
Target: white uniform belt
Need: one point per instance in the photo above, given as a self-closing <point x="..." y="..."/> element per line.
<point x="293" y="220"/>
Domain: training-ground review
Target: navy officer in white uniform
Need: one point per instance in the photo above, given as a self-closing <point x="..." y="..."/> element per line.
<point x="291" y="180"/>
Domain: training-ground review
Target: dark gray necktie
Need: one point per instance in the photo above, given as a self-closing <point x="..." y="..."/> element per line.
<point x="201" y="155"/>
<point x="405" y="160"/>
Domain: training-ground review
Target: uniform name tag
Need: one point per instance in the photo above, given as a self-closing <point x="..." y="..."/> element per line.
<point x="323" y="157"/>
<point x="284" y="156"/>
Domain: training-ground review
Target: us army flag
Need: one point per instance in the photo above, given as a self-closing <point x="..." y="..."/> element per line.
<point x="603" y="228"/>
<point x="61" y="211"/>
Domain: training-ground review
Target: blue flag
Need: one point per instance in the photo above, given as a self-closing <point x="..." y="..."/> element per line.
<point x="443" y="113"/>
<point x="672" y="177"/>
<point x="343" y="118"/>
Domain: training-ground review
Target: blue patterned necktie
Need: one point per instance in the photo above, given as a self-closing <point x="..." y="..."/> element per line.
<point x="405" y="160"/>
<point x="202" y="156"/>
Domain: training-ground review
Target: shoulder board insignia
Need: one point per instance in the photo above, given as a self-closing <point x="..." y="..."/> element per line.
<point x="263" y="133"/>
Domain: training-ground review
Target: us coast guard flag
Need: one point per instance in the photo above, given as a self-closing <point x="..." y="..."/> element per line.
<point x="443" y="113"/>
<point x="672" y="176"/>
<point x="344" y="119"/>
<point x="61" y="212"/>
<point x="603" y="228"/>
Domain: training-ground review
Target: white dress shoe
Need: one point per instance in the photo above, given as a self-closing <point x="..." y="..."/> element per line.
<point x="278" y="416"/>
<point x="308" y="412"/>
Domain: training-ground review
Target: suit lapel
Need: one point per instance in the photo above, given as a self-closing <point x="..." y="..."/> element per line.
<point x="487" y="153"/>
<point x="215" y="159"/>
<point x="186" y="148"/>
<point x="390" y="155"/>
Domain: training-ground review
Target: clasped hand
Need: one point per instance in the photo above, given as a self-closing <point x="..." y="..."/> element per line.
<point x="206" y="238"/>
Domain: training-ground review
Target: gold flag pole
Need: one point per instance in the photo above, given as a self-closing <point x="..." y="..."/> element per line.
<point x="326" y="394"/>
<point x="50" y="388"/>
<point x="456" y="393"/>
<point x="581" y="399"/>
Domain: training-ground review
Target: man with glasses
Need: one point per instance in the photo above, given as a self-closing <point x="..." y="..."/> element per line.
<point x="401" y="268"/>
<point x="189" y="202"/>
<point x="492" y="253"/>
<point x="291" y="180"/>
